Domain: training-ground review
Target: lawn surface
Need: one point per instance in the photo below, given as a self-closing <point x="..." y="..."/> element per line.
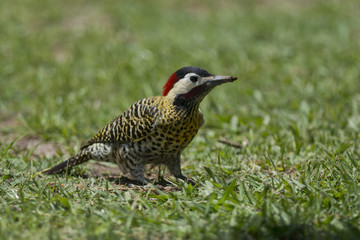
<point x="68" y="67"/>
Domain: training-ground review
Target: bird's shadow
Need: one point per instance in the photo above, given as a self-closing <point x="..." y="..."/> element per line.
<point x="120" y="180"/>
<point x="112" y="174"/>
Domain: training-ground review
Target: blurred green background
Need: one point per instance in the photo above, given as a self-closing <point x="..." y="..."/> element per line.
<point x="76" y="64"/>
<point x="68" y="67"/>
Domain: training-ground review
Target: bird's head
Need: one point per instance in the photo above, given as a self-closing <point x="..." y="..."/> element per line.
<point x="192" y="84"/>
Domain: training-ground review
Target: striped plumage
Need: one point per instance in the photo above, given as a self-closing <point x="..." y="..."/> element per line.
<point x="154" y="130"/>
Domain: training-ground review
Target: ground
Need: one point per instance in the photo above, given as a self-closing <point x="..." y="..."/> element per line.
<point x="277" y="158"/>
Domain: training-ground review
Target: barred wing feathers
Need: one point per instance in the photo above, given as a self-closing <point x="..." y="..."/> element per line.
<point x="137" y="122"/>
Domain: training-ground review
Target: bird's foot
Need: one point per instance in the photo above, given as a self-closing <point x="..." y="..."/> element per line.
<point x="187" y="180"/>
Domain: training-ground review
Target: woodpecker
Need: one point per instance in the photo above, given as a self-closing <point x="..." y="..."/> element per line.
<point x="153" y="130"/>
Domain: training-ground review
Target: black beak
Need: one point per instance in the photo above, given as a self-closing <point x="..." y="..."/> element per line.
<point x="217" y="80"/>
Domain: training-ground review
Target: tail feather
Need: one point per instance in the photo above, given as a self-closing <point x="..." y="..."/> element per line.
<point x="68" y="164"/>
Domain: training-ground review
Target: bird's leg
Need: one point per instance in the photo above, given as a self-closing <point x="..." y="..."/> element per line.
<point x="138" y="174"/>
<point x="144" y="180"/>
<point x="175" y="169"/>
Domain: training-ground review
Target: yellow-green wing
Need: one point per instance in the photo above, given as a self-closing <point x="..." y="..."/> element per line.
<point x="137" y="122"/>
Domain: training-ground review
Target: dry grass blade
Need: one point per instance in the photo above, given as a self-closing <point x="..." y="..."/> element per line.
<point x="230" y="143"/>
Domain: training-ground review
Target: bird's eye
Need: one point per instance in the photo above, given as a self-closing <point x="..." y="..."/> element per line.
<point x="194" y="78"/>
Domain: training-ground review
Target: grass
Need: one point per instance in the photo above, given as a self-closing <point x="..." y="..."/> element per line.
<point x="67" y="68"/>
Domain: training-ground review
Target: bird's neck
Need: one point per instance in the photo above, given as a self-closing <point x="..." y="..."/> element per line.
<point x="187" y="109"/>
<point x="188" y="105"/>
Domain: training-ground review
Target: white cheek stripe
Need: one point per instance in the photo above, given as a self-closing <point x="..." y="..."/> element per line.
<point x="181" y="87"/>
<point x="184" y="86"/>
